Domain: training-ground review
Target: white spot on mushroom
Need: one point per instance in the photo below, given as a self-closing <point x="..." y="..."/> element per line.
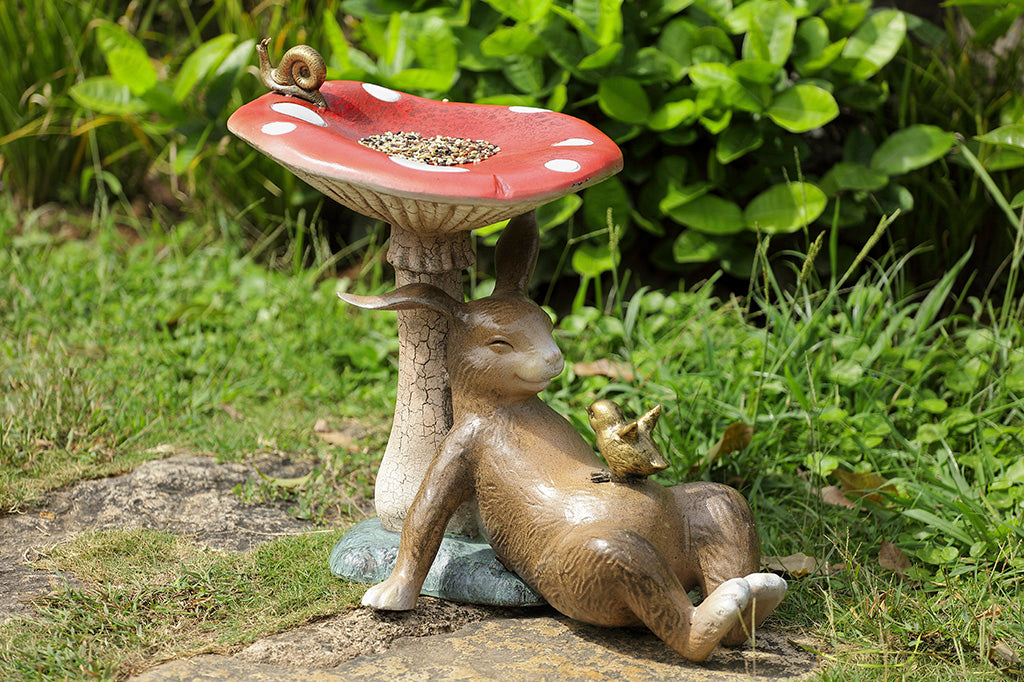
<point x="278" y="128"/>
<point x="563" y="165"/>
<point x="527" y="110"/>
<point x="419" y="165"/>
<point x="382" y="93"/>
<point x="300" y="112"/>
<point x="574" y="142"/>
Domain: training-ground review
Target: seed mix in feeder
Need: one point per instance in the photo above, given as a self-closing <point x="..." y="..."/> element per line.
<point x="440" y="150"/>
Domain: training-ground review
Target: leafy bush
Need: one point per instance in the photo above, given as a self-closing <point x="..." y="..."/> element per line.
<point x="736" y="117"/>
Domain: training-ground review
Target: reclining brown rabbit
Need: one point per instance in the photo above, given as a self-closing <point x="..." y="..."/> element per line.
<point x="618" y="553"/>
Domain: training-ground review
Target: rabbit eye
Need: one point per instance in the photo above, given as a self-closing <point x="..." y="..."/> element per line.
<point x="499" y="346"/>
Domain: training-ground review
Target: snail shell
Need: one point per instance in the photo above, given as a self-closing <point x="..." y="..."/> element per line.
<point x="301" y="72"/>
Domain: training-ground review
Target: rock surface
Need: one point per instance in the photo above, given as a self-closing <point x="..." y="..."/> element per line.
<point x="439" y="640"/>
<point x="486" y="644"/>
<point x="184" y="494"/>
<point x="464" y="570"/>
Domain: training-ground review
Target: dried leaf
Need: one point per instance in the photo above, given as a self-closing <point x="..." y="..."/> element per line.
<point x="344" y="437"/>
<point x="892" y="557"/>
<point x="49" y="516"/>
<point x="1003" y="656"/>
<point x="735" y="437"/>
<point x="863" y="484"/>
<point x="605" y="368"/>
<point x="232" y="412"/>
<point x="285" y="482"/>
<point x="797" y="565"/>
<point x="834" y="495"/>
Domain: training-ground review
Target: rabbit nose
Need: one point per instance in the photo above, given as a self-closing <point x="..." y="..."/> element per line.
<point x="554" y="360"/>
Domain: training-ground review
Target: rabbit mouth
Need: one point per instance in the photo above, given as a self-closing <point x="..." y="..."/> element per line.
<point x="534" y="384"/>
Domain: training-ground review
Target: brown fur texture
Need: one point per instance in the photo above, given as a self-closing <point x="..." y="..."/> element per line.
<point x="622" y="553"/>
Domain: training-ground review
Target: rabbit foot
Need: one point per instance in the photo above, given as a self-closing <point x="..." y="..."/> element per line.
<point x="716" y="616"/>
<point x="766" y="592"/>
<point x="391" y="595"/>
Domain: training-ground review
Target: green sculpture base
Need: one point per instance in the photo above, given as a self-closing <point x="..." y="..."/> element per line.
<point x="464" y="570"/>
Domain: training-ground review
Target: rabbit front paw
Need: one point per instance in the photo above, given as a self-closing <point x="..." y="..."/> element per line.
<point x="391" y="595"/>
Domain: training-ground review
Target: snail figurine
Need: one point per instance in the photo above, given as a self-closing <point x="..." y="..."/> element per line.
<point x="300" y="73"/>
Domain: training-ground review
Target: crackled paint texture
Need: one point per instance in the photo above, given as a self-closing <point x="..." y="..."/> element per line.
<point x="423" y="404"/>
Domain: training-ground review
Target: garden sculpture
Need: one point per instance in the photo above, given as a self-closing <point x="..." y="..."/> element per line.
<point x="621" y="553"/>
<point x="301" y="72"/>
<point x="433" y="170"/>
<point x="627" y="447"/>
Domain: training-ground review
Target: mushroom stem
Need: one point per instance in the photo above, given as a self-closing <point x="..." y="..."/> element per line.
<point x="423" y="406"/>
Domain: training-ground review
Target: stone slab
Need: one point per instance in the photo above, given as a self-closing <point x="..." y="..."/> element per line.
<point x="464" y="570"/>
<point x="541" y="646"/>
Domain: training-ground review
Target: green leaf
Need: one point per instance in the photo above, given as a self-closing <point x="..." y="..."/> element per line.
<point x="843" y="18"/>
<point x="602" y="58"/>
<point x="676" y="196"/>
<point x="610" y="195"/>
<point x="873" y="44"/>
<point x="126" y="57"/>
<point x="846" y="372"/>
<point x="522" y="10"/>
<point x="1011" y="136"/>
<point x="693" y="247"/>
<point x="201" y="64"/>
<point x="105" y="95"/>
<point x="677" y="39"/>
<point x="335" y="38"/>
<point x="590" y="260"/>
<point x="526" y="73"/>
<point x="849" y="175"/>
<point x="608" y="28"/>
<point x="508" y="41"/>
<point x="911" y="148"/>
<point x="557" y="212"/>
<point x="736" y="141"/>
<point x="435" y="46"/>
<point x="623" y="99"/>
<point x="421" y="80"/>
<point x="672" y="114"/>
<point x="812" y="49"/>
<point x="939" y="524"/>
<point x="933" y="405"/>
<point x="756" y="71"/>
<point x="785" y="207"/>
<point x="710" y="214"/>
<point x="802" y="108"/>
<point x="770" y="37"/>
<point x="710" y="75"/>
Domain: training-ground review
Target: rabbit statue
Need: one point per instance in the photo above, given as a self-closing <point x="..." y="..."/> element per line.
<point x="621" y="553"/>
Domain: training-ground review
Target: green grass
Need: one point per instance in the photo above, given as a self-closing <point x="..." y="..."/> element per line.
<point x="151" y="596"/>
<point x="115" y="340"/>
<point x="116" y="343"/>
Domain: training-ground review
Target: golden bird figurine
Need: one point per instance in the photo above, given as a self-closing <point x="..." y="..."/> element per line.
<point x="627" y="447"/>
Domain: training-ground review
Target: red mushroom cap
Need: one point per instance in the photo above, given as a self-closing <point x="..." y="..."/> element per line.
<point x="544" y="155"/>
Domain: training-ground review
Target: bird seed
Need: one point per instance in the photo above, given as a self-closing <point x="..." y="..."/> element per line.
<point x="440" y="150"/>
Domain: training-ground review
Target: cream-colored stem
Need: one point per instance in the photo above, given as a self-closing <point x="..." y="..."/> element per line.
<point x="423" y="406"/>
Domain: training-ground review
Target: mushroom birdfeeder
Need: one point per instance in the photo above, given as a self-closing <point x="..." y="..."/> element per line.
<point x="434" y="170"/>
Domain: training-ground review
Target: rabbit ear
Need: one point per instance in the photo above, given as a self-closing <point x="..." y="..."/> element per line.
<point x="516" y="253"/>
<point x="404" y="298"/>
